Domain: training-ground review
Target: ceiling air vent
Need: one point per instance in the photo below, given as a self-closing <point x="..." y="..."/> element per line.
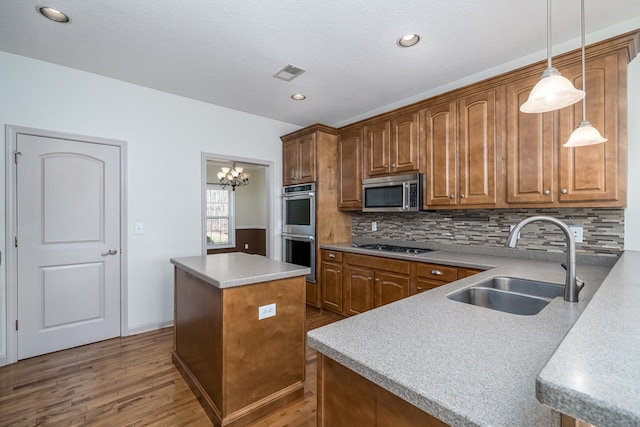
<point x="289" y="72"/>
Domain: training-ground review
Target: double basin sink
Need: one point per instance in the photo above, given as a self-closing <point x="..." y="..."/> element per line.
<point x="510" y="295"/>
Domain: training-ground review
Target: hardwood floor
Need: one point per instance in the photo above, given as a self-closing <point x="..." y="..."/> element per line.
<point x="126" y="381"/>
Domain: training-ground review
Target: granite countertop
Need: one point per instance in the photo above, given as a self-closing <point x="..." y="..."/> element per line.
<point x="594" y="374"/>
<point x="237" y="269"/>
<point x="467" y="365"/>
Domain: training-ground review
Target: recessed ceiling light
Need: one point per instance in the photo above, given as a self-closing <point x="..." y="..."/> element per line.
<point x="53" y="14"/>
<point x="408" y="40"/>
<point x="298" y="96"/>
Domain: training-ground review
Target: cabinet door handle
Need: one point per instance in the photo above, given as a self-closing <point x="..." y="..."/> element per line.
<point x="419" y="288"/>
<point x="564" y="191"/>
<point x="437" y="272"/>
<point x="546" y="192"/>
<point x="338" y="271"/>
<point x="462" y="196"/>
<point x="452" y="196"/>
<point x="332" y="255"/>
<point x="393" y="165"/>
<point x="377" y="280"/>
<point x="369" y="278"/>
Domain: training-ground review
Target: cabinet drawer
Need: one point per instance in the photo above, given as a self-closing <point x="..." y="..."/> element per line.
<point x="426" y="284"/>
<point x="379" y="263"/>
<point x="438" y="272"/>
<point x="334" y="256"/>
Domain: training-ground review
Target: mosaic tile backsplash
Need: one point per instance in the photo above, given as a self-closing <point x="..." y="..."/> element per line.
<point x="603" y="228"/>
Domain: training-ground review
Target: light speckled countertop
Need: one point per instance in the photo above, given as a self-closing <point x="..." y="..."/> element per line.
<point x="237" y="269"/>
<point x="467" y="365"/>
<point x="594" y="374"/>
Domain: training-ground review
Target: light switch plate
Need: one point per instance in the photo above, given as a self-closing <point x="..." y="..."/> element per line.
<point x="374" y="226"/>
<point x="266" y="311"/>
<point x="138" y="228"/>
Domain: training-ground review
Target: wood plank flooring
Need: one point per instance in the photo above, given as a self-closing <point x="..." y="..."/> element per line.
<point x="126" y="381"/>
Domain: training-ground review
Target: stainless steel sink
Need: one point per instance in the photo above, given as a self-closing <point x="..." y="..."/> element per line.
<point x="524" y="286"/>
<point x="510" y="295"/>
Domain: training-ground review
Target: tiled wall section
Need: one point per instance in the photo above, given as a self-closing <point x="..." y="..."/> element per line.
<point x="603" y="228"/>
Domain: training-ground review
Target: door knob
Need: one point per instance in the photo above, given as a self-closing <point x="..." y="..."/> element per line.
<point x="110" y="252"/>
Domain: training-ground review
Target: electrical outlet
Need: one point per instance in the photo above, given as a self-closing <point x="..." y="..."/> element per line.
<point x="246" y="246"/>
<point x="266" y="311"/>
<point x="374" y="226"/>
<point x="578" y="235"/>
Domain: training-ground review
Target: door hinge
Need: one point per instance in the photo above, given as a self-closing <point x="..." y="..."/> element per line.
<point x="15" y="242"/>
<point x="16" y="324"/>
<point x="15" y="156"/>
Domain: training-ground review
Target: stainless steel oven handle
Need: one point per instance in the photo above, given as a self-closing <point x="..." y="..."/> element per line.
<point x="405" y="196"/>
<point x="298" y="237"/>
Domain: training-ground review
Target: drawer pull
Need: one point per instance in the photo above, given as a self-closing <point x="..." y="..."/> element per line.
<point x="437" y="272"/>
<point x="419" y="288"/>
<point x="332" y="255"/>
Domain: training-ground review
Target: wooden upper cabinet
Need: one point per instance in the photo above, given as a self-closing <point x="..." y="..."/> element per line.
<point x="530" y="148"/>
<point x="350" y="170"/>
<point x="376" y="148"/>
<point x="392" y="146"/>
<point x="307" y="156"/>
<point x="595" y="173"/>
<point x="540" y="171"/>
<point x="477" y="146"/>
<point x="441" y="145"/>
<point x="299" y="160"/>
<point x="462" y="144"/>
<point x="405" y="143"/>
<point x="290" y="153"/>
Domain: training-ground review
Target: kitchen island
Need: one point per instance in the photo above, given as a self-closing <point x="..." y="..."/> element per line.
<point x="462" y="364"/>
<point x="239" y="333"/>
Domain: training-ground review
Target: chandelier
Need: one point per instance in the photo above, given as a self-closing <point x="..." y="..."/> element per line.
<point x="235" y="177"/>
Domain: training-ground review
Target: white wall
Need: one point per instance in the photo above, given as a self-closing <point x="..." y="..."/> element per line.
<point x="632" y="213"/>
<point x="166" y="135"/>
<point x="251" y="201"/>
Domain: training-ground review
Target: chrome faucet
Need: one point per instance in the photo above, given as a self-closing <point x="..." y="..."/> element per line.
<point x="573" y="285"/>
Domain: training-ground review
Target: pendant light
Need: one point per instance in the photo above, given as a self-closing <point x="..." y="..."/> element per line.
<point x="553" y="91"/>
<point x="585" y="134"/>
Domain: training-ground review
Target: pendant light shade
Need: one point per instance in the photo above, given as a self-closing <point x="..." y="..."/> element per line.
<point x="553" y="91"/>
<point x="585" y="134"/>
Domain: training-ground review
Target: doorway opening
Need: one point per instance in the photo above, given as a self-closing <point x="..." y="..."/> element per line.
<point x="236" y="219"/>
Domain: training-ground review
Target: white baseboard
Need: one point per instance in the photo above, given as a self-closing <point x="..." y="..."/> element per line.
<point x="148" y="327"/>
<point x="3" y="360"/>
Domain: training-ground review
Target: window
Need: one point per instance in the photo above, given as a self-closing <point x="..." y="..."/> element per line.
<point x="220" y="224"/>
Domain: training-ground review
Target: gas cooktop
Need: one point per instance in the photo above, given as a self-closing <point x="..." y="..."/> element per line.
<point x="392" y="248"/>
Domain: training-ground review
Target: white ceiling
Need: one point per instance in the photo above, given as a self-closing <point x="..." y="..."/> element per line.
<point x="225" y="52"/>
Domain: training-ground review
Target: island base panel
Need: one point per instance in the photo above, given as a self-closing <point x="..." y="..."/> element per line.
<point x="239" y="367"/>
<point x="346" y="399"/>
<point x="247" y="415"/>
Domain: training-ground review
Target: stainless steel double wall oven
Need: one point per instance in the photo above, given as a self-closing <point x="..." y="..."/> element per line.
<point x="299" y="226"/>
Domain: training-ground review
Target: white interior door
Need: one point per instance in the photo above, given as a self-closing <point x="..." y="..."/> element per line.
<point x="68" y="243"/>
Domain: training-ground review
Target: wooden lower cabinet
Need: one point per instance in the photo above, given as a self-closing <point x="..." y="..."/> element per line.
<point x="359" y="290"/>
<point x="355" y="283"/>
<point x="429" y="276"/>
<point x="346" y="399"/>
<point x="332" y="289"/>
<point x="390" y="287"/>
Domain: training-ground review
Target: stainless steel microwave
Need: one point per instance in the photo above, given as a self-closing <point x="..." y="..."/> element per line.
<point x="401" y="193"/>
